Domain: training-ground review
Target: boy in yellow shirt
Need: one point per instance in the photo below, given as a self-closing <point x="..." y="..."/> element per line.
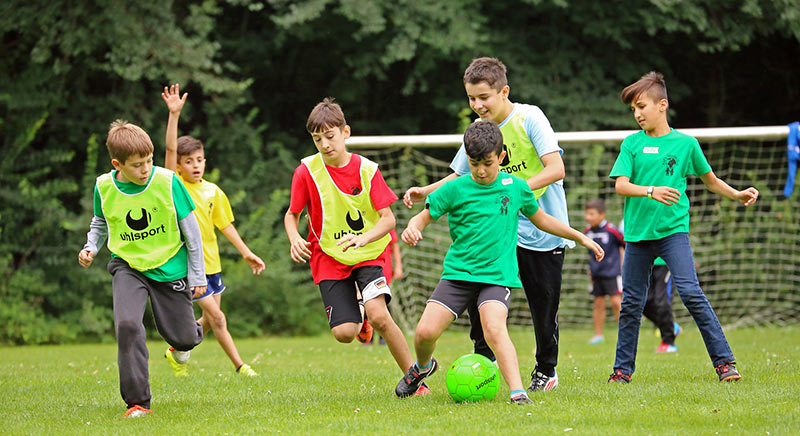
<point x="185" y="156"/>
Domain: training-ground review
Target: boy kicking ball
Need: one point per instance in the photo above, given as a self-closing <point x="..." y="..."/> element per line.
<point x="481" y="264"/>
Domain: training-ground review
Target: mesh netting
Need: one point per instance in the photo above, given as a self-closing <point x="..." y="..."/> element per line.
<point x="748" y="259"/>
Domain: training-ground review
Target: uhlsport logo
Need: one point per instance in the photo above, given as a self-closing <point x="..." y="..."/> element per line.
<point x="505" y="164"/>
<point x="356" y="225"/>
<point x="140" y="226"/>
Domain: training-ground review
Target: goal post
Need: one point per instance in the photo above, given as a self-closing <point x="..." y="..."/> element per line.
<point x="748" y="259"/>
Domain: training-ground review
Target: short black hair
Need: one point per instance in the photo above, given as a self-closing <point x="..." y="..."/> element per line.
<point x="482" y="138"/>
<point x="597" y="204"/>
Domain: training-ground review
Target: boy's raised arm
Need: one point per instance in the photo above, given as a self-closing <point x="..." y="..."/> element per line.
<point x="171" y="96"/>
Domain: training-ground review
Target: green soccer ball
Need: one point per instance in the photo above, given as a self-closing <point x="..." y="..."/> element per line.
<point x="472" y="377"/>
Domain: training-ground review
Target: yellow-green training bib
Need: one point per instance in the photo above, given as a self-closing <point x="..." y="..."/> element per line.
<point x="522" y="160"/>
<point x="142" y="228"/>
<point x="344" y="213"/>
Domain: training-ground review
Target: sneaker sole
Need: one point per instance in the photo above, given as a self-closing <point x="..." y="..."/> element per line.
<point x="730" y="378"/>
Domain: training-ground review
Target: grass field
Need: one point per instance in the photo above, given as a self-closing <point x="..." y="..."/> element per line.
<point x="317" y="386"/>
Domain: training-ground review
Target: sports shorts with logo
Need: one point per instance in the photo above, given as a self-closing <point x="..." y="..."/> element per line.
<point x="457" y="295"/>
<point x="340" y="298"/>
<point x="214" y="285"/>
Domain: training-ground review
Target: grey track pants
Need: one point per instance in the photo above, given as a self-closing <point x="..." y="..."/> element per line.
<point x="172" y="310"/>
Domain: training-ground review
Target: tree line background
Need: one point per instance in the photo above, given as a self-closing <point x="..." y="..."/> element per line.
<point x="253" y="71"/>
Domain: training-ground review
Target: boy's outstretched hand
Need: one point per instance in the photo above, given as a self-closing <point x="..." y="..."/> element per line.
<point x="411" y="235"/>
<point x="748" y="196"/>
<point x="85" y="258"/>
<point x="255" y="262"/>
<point x="413" y="195"/>
<point x="173" y="99"/>
<point x="599" y="254"/>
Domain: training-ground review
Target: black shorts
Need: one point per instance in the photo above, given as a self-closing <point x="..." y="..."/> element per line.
<point x="457" y="295"/>
<point x="606" y="286"/>
<point x="339" y="296"/>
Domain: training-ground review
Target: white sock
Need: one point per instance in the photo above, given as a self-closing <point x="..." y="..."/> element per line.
<point x="180" y="356"/>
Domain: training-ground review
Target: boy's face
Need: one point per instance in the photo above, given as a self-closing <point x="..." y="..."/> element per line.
<point x="330" y="143"/>
<point x="192" y="166"/>
<point x="484" y="170"/>
<point x="487" y="102"/>
<point x="649" y="112"/>
<point x="594" y="217"/>
<point x="136" y="169"/>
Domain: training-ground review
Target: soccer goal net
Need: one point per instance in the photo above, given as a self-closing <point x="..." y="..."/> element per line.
<point x="748" y="259"/>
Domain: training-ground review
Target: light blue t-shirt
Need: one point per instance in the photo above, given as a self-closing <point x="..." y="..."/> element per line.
<point x="554" y="200"/>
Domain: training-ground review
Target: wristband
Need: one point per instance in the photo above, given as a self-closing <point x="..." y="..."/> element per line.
<point x="650" y="192"/>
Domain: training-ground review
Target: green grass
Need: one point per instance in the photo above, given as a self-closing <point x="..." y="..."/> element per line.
<point x="318" y="386"/>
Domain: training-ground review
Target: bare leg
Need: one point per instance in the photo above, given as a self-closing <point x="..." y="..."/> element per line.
<point x="433" y="322"/>
<point x="214" y="318"/>
<point x="382" y="322"/>
<point x="599" y="314"/>
<point x="493" y="318"/>
<point x="616" y="304"/>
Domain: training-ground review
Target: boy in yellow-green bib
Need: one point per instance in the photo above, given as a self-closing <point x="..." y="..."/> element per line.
<point x="350" y="217"/>
<point x="157" y="252"/>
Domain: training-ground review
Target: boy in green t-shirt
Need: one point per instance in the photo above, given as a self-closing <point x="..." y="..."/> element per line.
<point x="481" y="264"/>
<point x="157" y="252"/>
<point x="651" y="172"/>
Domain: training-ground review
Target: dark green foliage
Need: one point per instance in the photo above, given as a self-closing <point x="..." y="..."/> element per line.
<point x="254" y="69"/>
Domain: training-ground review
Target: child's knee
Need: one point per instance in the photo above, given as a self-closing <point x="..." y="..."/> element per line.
<point x="345" y="333"/>
<point x="425" y="334"/>
<point x="129" y="331"/>
<point x="217" y="319"/>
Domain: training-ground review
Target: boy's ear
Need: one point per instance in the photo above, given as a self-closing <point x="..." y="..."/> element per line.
<point x="663" y="105"/>
<point x="116" y="164"/>
<point x="346" y="131"/>
<point x="501" y="156"/>
<point x="506" y="89"/>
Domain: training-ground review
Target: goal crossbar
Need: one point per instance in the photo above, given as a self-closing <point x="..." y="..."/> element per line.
<point x="711" y="134"/>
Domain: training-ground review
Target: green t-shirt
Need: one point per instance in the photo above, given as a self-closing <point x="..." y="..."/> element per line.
<point x="176" y="267"/>
<point x="483" y="223"/>
<point x="658" y="161"/>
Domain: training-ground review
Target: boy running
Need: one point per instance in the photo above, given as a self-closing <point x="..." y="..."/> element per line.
<point x="481" y="264"/>
<point x="157" y="253"/>
<point x="651" y="172"/>
<point x="532" y="153"/>
<point x="186" y="155"/>
<point x="350" y="218"/>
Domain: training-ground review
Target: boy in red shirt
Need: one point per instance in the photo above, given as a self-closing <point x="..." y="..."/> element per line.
<point x="350" y="218"/>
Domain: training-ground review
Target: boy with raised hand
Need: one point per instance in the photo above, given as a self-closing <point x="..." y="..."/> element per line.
<point x="157" y="252"/>
<point x="481" y="264"/>
<point x="651" y="172"/>
<point x="607" y="274"/>
<point x="349" y="220"/>
<point x="532" y="153"/>
<point x="187" y="156"/>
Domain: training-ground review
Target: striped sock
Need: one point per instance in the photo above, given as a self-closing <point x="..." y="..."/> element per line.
<point x="423" y="368"/>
